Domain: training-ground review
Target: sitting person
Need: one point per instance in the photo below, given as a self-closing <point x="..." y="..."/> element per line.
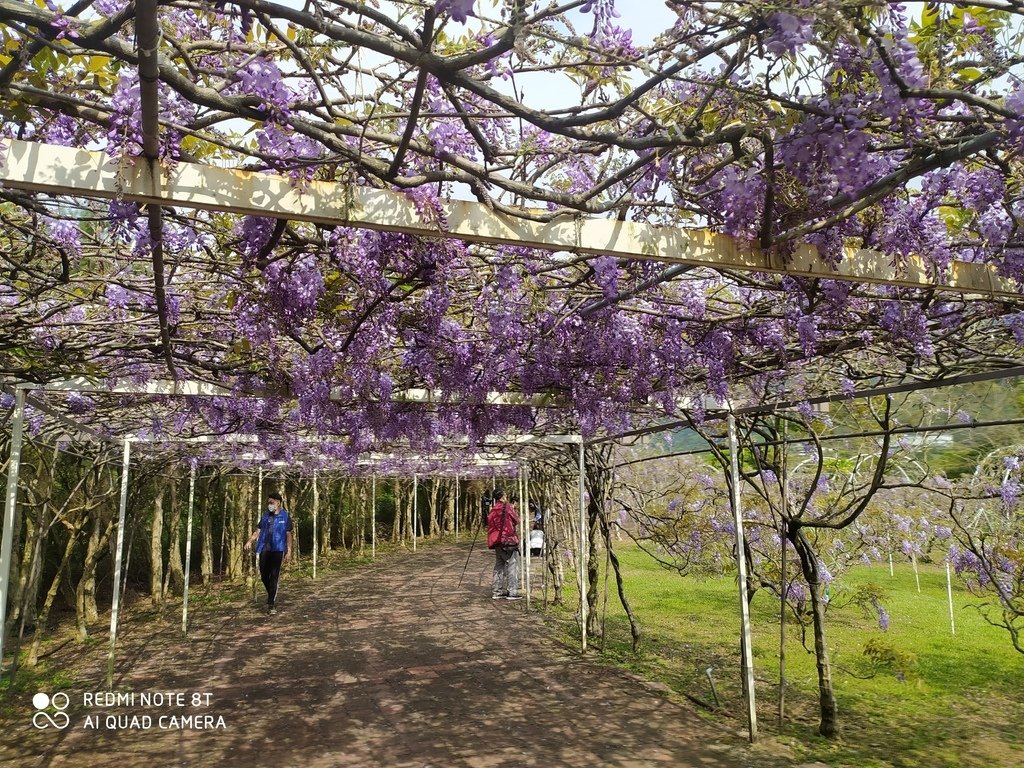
<point x="536" y="541"/>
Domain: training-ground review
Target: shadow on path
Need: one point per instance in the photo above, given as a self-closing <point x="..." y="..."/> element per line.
<point x="389" y="664"/>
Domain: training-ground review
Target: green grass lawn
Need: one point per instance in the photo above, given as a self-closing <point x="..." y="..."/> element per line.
<point x="947" y="700"/>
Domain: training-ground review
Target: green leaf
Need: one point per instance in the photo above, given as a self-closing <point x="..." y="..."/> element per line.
<point x="969" y="73"/>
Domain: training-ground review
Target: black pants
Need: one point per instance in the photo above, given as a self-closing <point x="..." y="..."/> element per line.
<point x="270" y="572"/>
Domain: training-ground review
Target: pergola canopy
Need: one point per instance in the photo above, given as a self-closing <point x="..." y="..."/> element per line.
<point x="360" y="224"/>
<point x="333" y="233"/>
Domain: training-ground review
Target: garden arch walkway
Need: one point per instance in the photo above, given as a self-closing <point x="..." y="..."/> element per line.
<point x="385" y="664"/>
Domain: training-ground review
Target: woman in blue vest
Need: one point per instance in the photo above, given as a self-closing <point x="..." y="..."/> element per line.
<point x="273" y="544"/>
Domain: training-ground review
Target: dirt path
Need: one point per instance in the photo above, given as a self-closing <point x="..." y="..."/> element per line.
<point x="388" y="665"/>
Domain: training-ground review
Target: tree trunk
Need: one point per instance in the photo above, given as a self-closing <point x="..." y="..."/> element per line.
<point x="330" y="516"/>
<point x="252" y="498"/>
<point x="363" y="507"/>
<point x="343" y="501"/>
<point x="206" y="560"/>
<point x="156" y="546"/>
<point x="296" y="539"/>
<point x="410" y="521"/>
<point x="634" y="624"/>
<point x="753" y="582"/>
<point x="86" y="612"/>
<point x="175" y="575"/>
<point x="555" y="544"/>
<point x="826" y="697"/>
<point x="323" y="522"/>
<point x="435" y="487"/>
<point x="598" y="480"/>
<point x="397" y="523"/>
<point x="37" y="528"/>
<point x="339" y="508"/>
<point x="30" y="572"/>
<point x="51" y="596"/>
<point x="448" y="526"/>
<point x="225" y="513"/>
<point x="235" y="524"/>
<point x="17" y="583"/>
<point x="593" y="574"/>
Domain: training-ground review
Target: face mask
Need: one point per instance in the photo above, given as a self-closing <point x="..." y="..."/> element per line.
<point x="270" y="508"/>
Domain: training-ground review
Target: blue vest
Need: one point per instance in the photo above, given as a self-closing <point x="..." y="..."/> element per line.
<point x="273" y="532"/>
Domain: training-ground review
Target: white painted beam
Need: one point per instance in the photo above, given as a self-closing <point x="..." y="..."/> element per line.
<point x="234" y="438"/>
<point x="76" y="426"/>
<point x="181" y="388"/>
<point x="412" y="461"/>
<point x="489" y="458"/>
<point x="439" y="396"/>
<point x="378" y="460"/>
<point x="78" y="172"/>
<point x="534" y="439"/>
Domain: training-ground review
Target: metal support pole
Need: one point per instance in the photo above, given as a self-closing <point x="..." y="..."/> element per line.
<point x="522" y="523"/>
<point x="546" y="526"/>
<point x="256" y="524"/>
<point x="115" y="606"/>
<point x="373" y="517"/>
<point x="782" y="626"/>
<point x="188" y="550"/>
<point x="581" y="561"/>
<point x="316" y="514"/>
<point x="741" y="563"/>
<point x="783" y="587"/>
<point x="13" y="467"/>
<point x="415" y="508"/>
<point x="457" y="483"/>
<point x="529" y="531"/>
<point x="949" y="595"/>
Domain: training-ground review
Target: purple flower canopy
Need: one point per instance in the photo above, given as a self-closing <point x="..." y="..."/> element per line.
<point x="320" y="330"/>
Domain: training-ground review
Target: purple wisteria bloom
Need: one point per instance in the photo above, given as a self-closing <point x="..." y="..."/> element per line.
<point x="459" y="10"/>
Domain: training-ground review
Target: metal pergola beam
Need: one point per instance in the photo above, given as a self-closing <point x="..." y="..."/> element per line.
<point x="194" y="388"/>
<point x="188" y="388"/>
<point x="57" y="170"/>
<point x="442" y="397"/>
<point x="720" y="412"/>
<point x="168" y="387"/>
<point x="746" y="648"/>
<point x="115" y="605"/>
<point x="10" y="503"/>
<point x="72" y="424"/>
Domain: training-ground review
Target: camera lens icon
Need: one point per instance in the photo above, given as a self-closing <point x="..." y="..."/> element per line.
<point x="42" y="719"/>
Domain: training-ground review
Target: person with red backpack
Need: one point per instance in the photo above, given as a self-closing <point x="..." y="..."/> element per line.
<point x="502" y="537"/>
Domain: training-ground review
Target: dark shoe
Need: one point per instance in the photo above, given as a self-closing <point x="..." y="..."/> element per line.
<point x="498" y="597"/>
<point x="272" y="611"/>
<point x="513" y="597"/>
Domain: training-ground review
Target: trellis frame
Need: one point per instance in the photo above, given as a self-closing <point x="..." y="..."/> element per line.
<point x="184" y="388"/>
<point x="57" y="170"/>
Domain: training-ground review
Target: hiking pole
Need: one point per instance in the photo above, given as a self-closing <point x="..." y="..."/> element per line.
<point x="475" y="535"/>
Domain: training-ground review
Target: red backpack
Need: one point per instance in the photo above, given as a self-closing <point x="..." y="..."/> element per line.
<point x="503" y="534"/>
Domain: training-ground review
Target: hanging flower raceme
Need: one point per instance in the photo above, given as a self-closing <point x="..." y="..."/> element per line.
<point x="459" y="10"/>
<point x="789" y="32"/>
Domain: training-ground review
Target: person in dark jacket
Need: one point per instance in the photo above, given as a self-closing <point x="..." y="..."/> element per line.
<point x="273" y="540"/>
<point x="502" y="537"/>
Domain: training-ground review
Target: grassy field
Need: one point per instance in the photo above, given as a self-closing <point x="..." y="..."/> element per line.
<point x="933" y="700"/>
